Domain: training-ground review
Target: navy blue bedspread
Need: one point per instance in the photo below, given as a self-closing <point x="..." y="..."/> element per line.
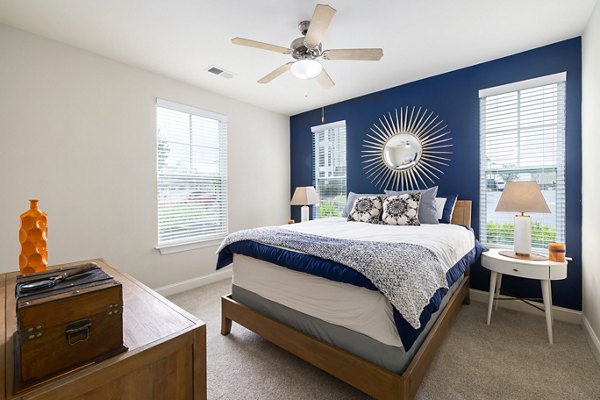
<point x="337" y="272"/>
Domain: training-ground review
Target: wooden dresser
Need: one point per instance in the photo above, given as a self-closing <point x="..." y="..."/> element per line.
<point x="166" y="357"/>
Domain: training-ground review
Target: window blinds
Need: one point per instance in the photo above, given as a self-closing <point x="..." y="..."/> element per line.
<point x="522" y="137"/>
<point x="329" y="168"/>
<point x="191" y="148"/>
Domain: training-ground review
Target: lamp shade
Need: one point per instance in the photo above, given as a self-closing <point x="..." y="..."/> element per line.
<point x="523" y="196"/>
<point x="304" y="196"/>
<point x="306" y="69"/>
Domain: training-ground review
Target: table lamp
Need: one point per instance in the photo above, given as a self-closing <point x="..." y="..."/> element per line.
<point x="522" y="196"/>
<point x="303" y="196"/>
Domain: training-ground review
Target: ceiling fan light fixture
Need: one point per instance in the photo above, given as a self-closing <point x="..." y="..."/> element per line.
<point x="306" y="69"/>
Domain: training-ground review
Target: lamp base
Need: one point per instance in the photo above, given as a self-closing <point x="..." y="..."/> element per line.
<point x="522" y="243"/>
<point x="304" y="214"/>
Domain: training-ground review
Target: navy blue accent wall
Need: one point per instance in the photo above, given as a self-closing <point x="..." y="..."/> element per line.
<point x="454" y="97"/>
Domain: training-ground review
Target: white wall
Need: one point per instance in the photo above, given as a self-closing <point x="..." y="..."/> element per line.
<point x="78" y="130"/>
<point x="591" y="184"/>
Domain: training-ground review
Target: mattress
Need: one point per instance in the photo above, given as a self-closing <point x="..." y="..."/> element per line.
<point x="392" y="358"/>
<point x="356" y="308"/>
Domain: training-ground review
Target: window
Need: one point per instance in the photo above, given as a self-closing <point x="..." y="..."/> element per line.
<point x="523" y="138"/>
<point x="191" y="164"/>
<point x="329" y="166"/>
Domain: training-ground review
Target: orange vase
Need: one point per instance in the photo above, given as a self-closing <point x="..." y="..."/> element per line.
<point x="33" y="237"/>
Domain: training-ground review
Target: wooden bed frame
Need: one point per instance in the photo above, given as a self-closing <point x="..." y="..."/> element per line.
<point x="372" y="379"/>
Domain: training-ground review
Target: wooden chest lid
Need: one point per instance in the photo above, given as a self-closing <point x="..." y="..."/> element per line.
<point x="34" y="288"/>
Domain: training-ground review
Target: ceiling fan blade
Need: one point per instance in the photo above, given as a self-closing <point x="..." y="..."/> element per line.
<point x="353" y="54"/>
<point x="318" y="25"/>
<point x="325" y="80"/>
<point x="261" y="45"/>
<point x="274" y="74"/>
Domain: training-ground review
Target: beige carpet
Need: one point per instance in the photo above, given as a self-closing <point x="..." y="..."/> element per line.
<point x="511" y="359"/>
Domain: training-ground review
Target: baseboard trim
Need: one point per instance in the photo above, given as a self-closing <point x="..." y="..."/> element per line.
<point x="560" y="313"/>
<point x="194" y="282"/>
<point x="592" y="338"/>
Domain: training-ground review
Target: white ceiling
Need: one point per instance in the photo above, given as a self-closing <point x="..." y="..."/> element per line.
<point x="182" y="38"/>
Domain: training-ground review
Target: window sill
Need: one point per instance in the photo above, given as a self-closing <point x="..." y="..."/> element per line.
<point x="178" y="248"/>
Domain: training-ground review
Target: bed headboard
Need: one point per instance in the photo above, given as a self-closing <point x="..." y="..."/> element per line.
<point x="462" y="212"/>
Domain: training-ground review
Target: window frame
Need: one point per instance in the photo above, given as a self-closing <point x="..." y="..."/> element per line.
<point x="320" y="129"/>
<point x="192" y="241"/>
<point x="559" y="79"/>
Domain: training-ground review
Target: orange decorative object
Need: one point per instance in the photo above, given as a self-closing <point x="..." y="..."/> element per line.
<point x="33" y="237"/>
<point x="556" y="252"/>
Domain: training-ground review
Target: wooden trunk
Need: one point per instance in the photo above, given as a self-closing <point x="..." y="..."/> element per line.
<point x="66" y="327"/>
<point x="166" y="356"/>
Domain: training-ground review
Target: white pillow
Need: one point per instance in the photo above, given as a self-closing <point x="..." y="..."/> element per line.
<point x="440" y="202"/>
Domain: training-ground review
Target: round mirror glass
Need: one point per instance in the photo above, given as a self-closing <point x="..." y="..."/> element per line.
<point x="402" y="151"/>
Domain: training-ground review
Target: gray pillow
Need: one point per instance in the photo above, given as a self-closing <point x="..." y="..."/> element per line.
<point x="427" y="208"/>
<point x="351" y="199"/>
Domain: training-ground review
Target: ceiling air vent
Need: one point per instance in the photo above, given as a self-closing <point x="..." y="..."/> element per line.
<point x="220" y="72"/>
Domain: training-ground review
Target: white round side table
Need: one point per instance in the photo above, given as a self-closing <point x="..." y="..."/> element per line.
<point x="544" y="271"/>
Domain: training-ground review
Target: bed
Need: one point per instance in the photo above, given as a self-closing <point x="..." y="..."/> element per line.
<point x="343" y="326"/>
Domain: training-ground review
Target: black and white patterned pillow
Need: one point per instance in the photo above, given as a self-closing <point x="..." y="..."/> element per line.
<point x="366" y="209"/>
<point x="401" y="210"/>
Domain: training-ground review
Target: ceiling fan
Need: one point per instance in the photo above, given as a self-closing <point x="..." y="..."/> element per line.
<point x="306" y="49"/>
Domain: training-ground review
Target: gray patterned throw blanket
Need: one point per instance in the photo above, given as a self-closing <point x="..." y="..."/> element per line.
<point x="407" y="274"/>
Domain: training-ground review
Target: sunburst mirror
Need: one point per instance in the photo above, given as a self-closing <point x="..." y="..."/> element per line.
<point x="406" y="150"/>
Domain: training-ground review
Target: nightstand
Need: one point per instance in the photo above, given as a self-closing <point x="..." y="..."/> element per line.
<point x="544" y="271"/>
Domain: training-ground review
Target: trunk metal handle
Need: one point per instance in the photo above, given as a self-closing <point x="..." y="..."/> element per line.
<point x="78" y="331"/>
